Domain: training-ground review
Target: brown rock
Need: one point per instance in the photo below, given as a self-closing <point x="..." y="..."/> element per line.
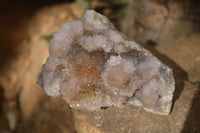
<point x="128" y="119"/>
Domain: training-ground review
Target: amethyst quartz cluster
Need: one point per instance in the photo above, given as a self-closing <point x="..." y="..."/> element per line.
<point x="92" y="65"/>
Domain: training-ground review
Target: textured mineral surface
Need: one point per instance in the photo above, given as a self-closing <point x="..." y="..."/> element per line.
<point x="92" y="65"/>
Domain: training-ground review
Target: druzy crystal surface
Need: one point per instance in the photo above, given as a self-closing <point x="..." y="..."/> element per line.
<point x="92" y="65"/>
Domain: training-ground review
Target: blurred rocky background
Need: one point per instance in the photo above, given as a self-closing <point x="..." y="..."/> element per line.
<point x="170" y="29"/>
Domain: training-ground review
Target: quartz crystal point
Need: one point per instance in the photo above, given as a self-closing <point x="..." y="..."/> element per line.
<point x="92" y="65"/>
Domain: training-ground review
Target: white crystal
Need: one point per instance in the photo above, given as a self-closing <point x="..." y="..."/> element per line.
<point x="92" y="65"/>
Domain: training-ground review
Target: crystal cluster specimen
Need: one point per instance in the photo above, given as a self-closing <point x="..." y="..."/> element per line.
<point x="92" y="65"/>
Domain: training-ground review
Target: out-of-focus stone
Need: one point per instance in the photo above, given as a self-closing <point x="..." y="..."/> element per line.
<point x="13" y="54"/>
<point x="56" y="16"/>
<point x="37" y="113"/>
<point x="23" y="50"/>
<point x="161" y="22"/>
<point x="92" y="65"/>
<point x="130" y="119"/>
